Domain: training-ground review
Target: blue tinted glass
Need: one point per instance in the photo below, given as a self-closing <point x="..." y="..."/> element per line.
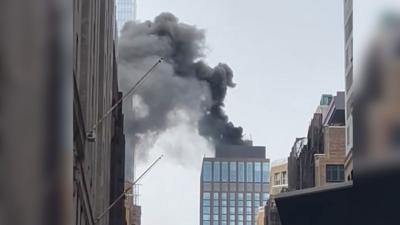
<point x="232" y="196"/>
<point x="215" y="210"/>
<point x="257" y="172"/>
<point x="206" y="222"/>
<point x="265" y="172"/>
<point x="215" y="217"/>
<point x="223" y="196"/>
<point x="232" y="174"/>
<point x="249" y="172"/>
<point x="224" y="171"/>
<point x="206" y="195"/>
<point x="207" y="171"/>
<point x="216" y="171"/>
<point x="241" y="172"/>
<point x="206" y="217"/>
<point x="240" y="196"/>
<point x="223" y="210"/>
<point x="257" y="196"/>
<point x="216" y="195"/>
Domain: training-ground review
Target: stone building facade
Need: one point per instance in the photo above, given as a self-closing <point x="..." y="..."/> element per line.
<point x="95" y="90"/>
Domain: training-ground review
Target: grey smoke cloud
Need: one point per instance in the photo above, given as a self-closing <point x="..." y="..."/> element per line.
<point x="182" y="85"/>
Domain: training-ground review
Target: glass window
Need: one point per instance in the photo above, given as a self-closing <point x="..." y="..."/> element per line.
<point x="216" y="171"/>
<point x="240" y="196"/>
<point x="207" y="171"/>
<point x="206" y="195"/>
<point x="248" y="217"/>
<point x="232" y="222"/>
<point x="206" y="216"/>
<point x="223" y="210"/>
<point x="215" y="217"/>
<point x="248" y="210"/>
<point x="231" y="217"/>
<point x="240" y="223"/>
<point x="224" y="171"/>
<point x="257" y="172"/>
<point x="232" y="171"/>
<point x="206" y="209"/>
<point x="215" y="222"/>
<point x="241" y="172"/>
<point x="216" y="211"/>
<point x="232" y="210"/>
<point x="265" y="197"/>
<point x="216" y="195"/>
<point x="223" y="196"/>
<point x="248" y="196"/>
<point x="206" y="222"/>
<point x="249" y="171"/>
<point x="265" y="172"/>
<point x="223" y="223"/>
<point x="257" y="196"/>
<point x="240" y="210"/>
<point x="334" y="173"/>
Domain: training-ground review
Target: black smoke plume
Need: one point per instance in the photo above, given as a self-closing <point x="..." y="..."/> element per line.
<point x="183" y="83"/>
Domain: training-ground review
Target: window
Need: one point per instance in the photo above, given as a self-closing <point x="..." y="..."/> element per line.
<point x="240" y="200"/>
<point x="241" y="172"/>
<point x="257" y="172"/>
<point x="265" y="197"/>
<point x="224" y="172"/>
<point x="216" y="171"/>
<point x="206" y="208"/>
<point x="232" y="199"/>
<point x="232" y="171"/>
<point x="216" y="201"/>
<point x="265" y="172"/>
<point x="334" y="173"/>
<point x="276" y="179"/>
<point x="249" y="172"/>
<point x="256" y="200"/>
<point x="284" y="179"/>
<point x="207" y="171"/>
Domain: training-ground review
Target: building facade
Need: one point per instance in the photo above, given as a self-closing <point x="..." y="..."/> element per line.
<point x="126" y="11"/>
<point x="348" y="40"/>
<point x="98" y="161"/>
<point x="329" y="165"/>
<point x="279" y="176"/>
<point x="233" y="185"/>
<point x="319" y="159"/>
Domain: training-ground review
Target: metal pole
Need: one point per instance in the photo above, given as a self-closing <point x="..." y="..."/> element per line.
<point x="131" y="91"/>
<point x="129" y="188"/>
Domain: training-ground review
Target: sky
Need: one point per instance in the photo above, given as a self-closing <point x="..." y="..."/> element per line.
<point x="284" y="54"/>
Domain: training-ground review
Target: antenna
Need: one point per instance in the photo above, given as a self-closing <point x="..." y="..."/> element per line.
<point x="128" y="189"/>
<point x="91" y="136"/>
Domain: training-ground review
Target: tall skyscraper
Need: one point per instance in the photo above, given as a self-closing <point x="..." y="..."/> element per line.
<point x="348" y="32"/>
<point x="233" y="185"/>
<point x="126" y="11"/>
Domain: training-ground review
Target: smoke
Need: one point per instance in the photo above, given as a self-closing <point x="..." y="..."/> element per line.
<point x="183" y="95"/>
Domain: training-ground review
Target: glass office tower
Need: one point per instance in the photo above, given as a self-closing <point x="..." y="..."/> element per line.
<point x="234" y="185"/>
<point x="126" y="11"/>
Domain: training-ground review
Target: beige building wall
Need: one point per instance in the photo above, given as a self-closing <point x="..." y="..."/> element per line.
<point x="260" y="220"/>
<point x="335" y="151"/>
<point x="279" y="176"/>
